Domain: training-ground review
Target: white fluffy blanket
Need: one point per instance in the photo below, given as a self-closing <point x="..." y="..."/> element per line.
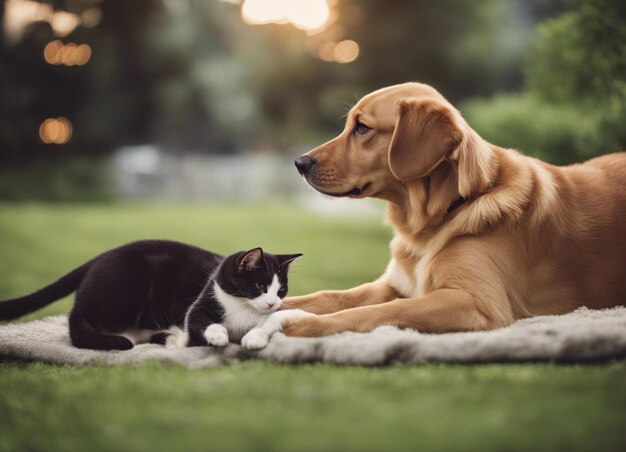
<point x="582" y="336"/>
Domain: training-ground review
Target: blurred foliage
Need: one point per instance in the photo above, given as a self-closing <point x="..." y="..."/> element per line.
<point x="581" y="55"/>
<point x="191" y="75"/>
<point x="551" y="132"/>
<point x="70" y="179"/>
<point x="462" y="48"/>
<point x="574" y="107"/>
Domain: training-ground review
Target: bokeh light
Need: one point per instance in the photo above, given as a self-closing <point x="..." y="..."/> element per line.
<point x="63" y="23"/>
<point x="19" y="14"/>
<point x="51" y="51"/>
<point x="304" y="14"/>
<point x="346" y="51"/>
<point x="264" y="11"/>
<point x="91" y="17"/>
<point x="55" y="130"/>
<point x="308" y="14"/>
<point x="69" y="54"/>
<point x="327" y="52"/>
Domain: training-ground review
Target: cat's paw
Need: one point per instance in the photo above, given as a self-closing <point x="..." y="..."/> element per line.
<point x="182" y="340"/>
<point x="281" y="319"/>
<point x="258" y="337"/>
<point x="255" y="339"/>
<point x="171" y="341"/>
<point x="177" y="339"/>
<point x="216" y="335"/>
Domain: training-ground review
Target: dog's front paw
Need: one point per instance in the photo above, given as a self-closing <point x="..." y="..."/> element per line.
<point x="281" y="319"/>
<point x="216" y="335"/>
<point x="259" y="337"/>
<point x="255" y="339"/>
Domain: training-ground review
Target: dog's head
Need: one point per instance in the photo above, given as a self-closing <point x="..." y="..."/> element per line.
<point x="394" y="135"/>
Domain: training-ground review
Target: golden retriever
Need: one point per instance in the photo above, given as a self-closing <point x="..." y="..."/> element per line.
<point x="483" y="235"/>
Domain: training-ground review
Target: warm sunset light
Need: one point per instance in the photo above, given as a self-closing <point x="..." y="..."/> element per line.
<point x="55" y="131"/>
<point x="308" y="14"/>
<point x="19" y="14"/>
<point x="304" y="14"/>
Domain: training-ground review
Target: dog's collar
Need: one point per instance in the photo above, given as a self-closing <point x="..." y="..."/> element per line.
<point x="456" y="204"/>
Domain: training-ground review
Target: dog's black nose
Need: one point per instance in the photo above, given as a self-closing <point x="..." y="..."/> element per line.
<point x="304" y="163"/>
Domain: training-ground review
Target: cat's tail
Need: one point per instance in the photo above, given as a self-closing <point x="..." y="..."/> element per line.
<point x="17" y="307"/>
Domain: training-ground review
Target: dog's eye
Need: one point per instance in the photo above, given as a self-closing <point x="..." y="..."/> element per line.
<point x="260" y="286"/>
<point x="361" y="128"/>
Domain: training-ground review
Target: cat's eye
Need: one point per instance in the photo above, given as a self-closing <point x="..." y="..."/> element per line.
<point x="282" y="292"/>
<point x="260" y="286"/>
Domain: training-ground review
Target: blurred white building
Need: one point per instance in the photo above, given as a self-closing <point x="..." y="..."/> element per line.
<point x="145" y="173"/>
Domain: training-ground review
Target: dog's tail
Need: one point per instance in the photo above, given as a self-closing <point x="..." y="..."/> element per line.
<point x="17" y="307"/>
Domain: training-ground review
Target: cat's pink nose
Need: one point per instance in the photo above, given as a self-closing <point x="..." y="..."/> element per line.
<point x="270" y="305"/>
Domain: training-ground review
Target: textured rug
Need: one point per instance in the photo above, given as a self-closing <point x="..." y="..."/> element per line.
<point x="581" y="336"/>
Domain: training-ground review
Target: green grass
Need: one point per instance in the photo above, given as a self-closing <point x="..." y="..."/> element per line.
<point x="260" y="406"/>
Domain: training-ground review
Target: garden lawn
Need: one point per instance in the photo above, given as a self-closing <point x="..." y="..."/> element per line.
<point x="261" y="406"/>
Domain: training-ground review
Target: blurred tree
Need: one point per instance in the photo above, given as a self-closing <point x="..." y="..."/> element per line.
<point x="190" y="75"/>
<point x="103" y="99"/>
<point x="581" y="55"/>
<point x="574" y="107"/>
<point x="463" y="48"/>
<point x="580" y="61"/>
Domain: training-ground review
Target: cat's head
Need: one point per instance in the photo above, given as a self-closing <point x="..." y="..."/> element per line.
<point x="258" y="277"/>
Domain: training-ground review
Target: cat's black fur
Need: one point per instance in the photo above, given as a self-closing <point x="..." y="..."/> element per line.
<point x="151" y="285"/>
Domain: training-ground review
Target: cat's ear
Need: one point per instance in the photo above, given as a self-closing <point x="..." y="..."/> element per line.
<point x="250" y="260"/>
<point x="287" y="259"/>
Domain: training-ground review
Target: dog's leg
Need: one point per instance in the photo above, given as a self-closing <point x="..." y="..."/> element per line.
<point x="441" y="311"/>
<point x="258" y="337"/>
<point x="328" y="301"/>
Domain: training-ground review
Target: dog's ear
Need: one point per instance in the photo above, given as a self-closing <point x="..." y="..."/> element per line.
<point x="424" y="135"/>
<point x="475" y="166"/>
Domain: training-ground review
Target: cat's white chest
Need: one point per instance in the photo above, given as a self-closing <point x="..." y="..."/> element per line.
<point x="239" y="318"/>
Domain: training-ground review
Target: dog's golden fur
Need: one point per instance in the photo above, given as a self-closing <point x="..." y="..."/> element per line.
<point x="483" y="235"/>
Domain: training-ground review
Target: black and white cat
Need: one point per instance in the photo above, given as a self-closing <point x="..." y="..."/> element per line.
<point x="165" y="292"/>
